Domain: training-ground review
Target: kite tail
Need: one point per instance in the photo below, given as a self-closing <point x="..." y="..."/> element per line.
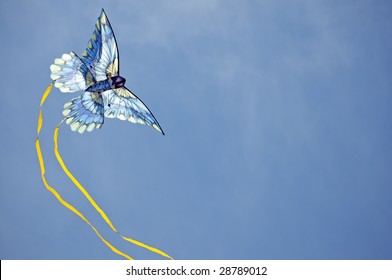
<point x="92" y="201"/>
<point x="82" y="189"/>
<point x="53" y="191"/>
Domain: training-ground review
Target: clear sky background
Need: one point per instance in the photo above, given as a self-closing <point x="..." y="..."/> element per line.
<point x="278" y="128"/>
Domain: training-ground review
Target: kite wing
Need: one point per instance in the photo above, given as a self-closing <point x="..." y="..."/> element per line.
<point x="84" y="112"/>
<point x="70" y="73"/>
<point x="121" y="103"/>
<point x="101" y="54"/>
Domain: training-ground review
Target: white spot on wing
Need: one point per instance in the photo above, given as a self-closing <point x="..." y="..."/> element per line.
<point x="55" y="68"/>
<point x="156" y="127"/>
<point x="82" y="128"/>
<point x="66" y="105"/>
<point x="75" y="126"/>
<point x="69" y="120"/>
<point x="59" y="61"/>
<point x="122" y="117"/>
<point x="58" y="84"/>
<point x="54" y="76"/>
<point x="91" y="127"/>
<point x="63" y="89"/>
<point x="66" y="57"/>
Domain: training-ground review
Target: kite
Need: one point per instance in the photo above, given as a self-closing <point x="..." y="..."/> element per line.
<point x="97" y="74"/>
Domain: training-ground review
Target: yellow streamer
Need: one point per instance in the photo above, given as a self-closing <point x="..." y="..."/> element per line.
<point x="54" y="192"/>
<point x="82" y="189"/>
<point x="152" y="249"/>
<point x="92" y="201"/>
<point x="76" y="182"/>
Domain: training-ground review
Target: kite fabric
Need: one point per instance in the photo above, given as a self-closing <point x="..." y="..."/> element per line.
<point x="96" y="73"/>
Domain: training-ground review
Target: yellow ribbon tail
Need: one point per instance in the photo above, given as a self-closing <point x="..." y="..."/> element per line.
<point x="44" y="96"/>
<point x="53" y="191"/>
<point x="84" y="191"/>
<point x="152" y="249"/>
<point x="92" y="201"/>
<point x="76" y="182"/>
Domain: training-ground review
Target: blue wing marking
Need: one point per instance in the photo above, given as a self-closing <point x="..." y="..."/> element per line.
<point x="84" y="112"/>
<point x="101" y="54"/>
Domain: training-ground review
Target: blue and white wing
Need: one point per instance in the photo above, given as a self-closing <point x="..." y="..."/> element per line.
<point x="121" y="103"/>
<point x="84" y="112"/>
<point x="101" y="54"/>
<point x="70" y="74"/>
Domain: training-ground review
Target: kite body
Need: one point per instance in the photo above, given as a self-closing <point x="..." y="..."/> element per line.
<point x="96" y="73"/>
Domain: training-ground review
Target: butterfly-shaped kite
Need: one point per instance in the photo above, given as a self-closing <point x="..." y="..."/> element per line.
<point x="97" y="74"/>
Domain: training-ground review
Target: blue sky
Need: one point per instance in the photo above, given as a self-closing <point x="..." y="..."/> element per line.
<point x="277" y="117"/>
